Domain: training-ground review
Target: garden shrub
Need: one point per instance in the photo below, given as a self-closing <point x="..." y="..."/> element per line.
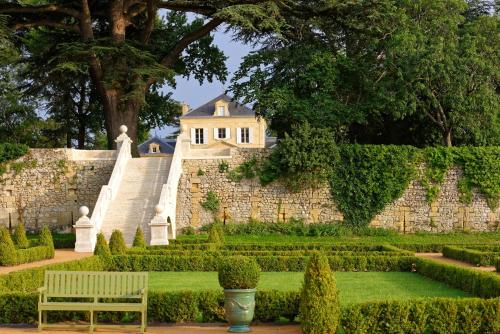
<point x="61" y="240"/>
<point x="117" y="244"/>
<point x="478" y="283"/>
<point x="437" y="315"/>
<point x="8" y="253"/>
<point x="19" y="237"/>
<point x="319" y="302"/>
<point x="102" y="247"/>
<point x="216" y="235"/>
<point x="46" y="240"/>
<point x="238" y="272"/>
<point x="471" y="256"/>
<point x="9" y="151"/>
<point x="497" y="265"/>
<point x="139" y="238"/>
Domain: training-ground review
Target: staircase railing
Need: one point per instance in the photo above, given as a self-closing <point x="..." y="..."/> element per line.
<point x="108" y="192"/>
<point x="168" y="196"/>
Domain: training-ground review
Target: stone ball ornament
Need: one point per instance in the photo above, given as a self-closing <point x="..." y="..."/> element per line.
<point x="158" y="209"/>
<point x="84" y="211"/>
<point x="123" y="129"/>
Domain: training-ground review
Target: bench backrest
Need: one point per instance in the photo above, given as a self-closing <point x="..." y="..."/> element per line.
<point x="99" y="284"/>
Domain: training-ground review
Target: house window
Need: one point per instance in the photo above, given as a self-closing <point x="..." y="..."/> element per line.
<point x="245" y="135"/>
<point x="222" y="133"/>
<point x="221" y="111"/>
<point x="154" y="149"/>
<point x="199" y="138"/>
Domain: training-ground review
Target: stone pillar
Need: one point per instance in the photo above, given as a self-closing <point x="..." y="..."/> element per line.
<point x="159" y="228"/>
<point x="84" y="232"/>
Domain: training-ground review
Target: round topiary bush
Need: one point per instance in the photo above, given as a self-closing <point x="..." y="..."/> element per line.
<point x="319" y="305"/>
<point x="46" y="240"/>
<point x="8" y="254"/>
<point x="139" y="240"/>
<point x="19" y="237"/>
<point x="117" y="244"/>
<point x="239" y="272"/>
<point x="101" y="246"/>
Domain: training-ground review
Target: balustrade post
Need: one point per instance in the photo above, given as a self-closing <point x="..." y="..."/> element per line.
<point x="159" y="228"/>
<point x="84" y="232"/>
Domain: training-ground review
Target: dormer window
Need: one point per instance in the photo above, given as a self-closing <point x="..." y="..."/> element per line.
<point x="222" y="110"/>
<point x="154" y="148"/>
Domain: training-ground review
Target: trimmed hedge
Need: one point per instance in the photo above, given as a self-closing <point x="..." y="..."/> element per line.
<point x="163" y="306"/>
<point x="31" y="279"/>
<point x="478" y="283"/>
<point x="10" y="256"/>
<point x="266" y="263"/>
<point x="140" y="251"/>
<point x="61" y="240"/>
<point x="471" y="256"/>
<point x="497" y="265"/>
<point x="440" y="315"/>
<point x="274" y="247"/>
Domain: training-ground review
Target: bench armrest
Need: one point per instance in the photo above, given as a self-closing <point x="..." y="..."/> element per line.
<point x="40" y="293"/>
<point x="144" y="294"/>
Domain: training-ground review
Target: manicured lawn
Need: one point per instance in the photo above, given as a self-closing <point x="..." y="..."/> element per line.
<point x="419" y="238"/>
<point x="354" y="287"/>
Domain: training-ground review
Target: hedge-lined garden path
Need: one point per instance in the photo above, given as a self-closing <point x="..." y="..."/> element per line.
<point x="170" y="329"/>
<point x="61" y="255"/>
<point x="438" y="257"/>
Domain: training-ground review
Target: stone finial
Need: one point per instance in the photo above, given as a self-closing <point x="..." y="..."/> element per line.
<point x="123" y="135"/>
<point x="84" y="219"/>
<point x="185" y="108"/>
<point x="83" y="211"/>
<point x="158" y="209"/>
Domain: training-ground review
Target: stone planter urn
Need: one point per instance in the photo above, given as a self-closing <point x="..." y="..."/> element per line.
<point x="239" y="305"/>
<point x="239" y="276"/>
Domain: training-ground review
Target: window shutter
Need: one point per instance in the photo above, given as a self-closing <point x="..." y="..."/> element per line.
<point x="193" y="136"/>
<point x="228" y="133"/>
<point x="238" y="135"/>
<point x="216" y="133"/>
<point x="250" y="135"/>
<point x="205" y="136"/>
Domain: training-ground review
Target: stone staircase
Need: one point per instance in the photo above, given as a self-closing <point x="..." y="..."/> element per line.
<point x="138" y="194"/>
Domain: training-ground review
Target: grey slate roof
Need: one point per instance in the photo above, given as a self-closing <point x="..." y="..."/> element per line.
<point x="208" y="109"/>
<point x="167" y="146"/>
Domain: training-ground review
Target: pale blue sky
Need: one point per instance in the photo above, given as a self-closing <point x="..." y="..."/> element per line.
<point x="190" y="91"/>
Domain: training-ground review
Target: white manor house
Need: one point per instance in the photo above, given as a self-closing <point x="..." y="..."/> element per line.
<point x="143" y="191"/>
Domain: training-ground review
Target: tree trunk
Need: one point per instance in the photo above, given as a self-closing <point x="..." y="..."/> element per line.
<point x="447" y="138"/>
<point x="118" y="114"/>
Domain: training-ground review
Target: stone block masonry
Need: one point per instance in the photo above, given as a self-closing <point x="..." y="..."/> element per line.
<point x="47" y="186"/>
<point x="240" y="201"/>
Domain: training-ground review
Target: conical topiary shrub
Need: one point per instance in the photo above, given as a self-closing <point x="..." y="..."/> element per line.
<point x="319" y="305"/>
<point x="117" y="244"/>
<point x="46" y="240"/>
<point x="19" y="237"/>
<point x="139" y="238"/>
<point x="101" y="247"/>
<point x="8" y="254"/>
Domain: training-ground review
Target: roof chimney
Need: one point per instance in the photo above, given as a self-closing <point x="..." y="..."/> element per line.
<point x="185" y="108"/>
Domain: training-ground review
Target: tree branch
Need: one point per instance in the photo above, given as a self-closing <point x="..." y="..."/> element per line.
<point x="201" y="7"/>
<point x="150" y="23"/>
<point x="18" y="9"/>
<point x="46" y="23"/>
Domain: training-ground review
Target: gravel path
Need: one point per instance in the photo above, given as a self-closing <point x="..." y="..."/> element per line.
<point x="170" y="329"/>
<point x="62" y="255"/>
<point x="438" y="257"/>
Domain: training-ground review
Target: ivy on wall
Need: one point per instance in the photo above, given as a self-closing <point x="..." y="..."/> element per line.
<point x="365" y="178"/>
<point x="369" y="177"/>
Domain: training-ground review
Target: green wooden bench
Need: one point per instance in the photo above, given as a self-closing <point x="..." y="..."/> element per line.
<point x="92" y="292"/>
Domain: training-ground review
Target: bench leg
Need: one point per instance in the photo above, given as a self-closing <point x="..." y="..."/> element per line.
<point x="91" y="327"/>
<point x="39" y="320"/>
<point x="144" y="320"/>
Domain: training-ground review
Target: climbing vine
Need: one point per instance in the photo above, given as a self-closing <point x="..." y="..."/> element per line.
<point x="367" y="178"/>
<point x="8" y="152"/>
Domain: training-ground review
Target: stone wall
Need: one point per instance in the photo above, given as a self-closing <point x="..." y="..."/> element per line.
<point x="248" y="199"/>
<point x="47" y="186"/>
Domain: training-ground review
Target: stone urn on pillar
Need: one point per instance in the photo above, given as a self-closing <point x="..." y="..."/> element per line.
<point x="159" y="228"/>
<point x="84" y="231"/>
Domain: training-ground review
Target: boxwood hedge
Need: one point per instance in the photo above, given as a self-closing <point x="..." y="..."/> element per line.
<point x="472" y="256"/>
